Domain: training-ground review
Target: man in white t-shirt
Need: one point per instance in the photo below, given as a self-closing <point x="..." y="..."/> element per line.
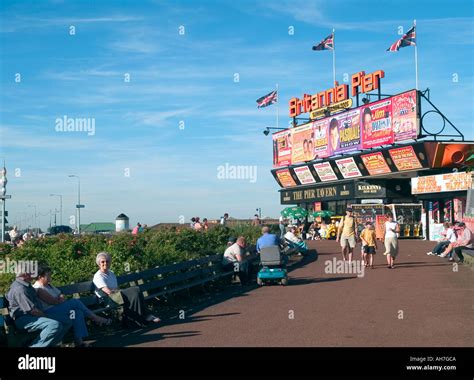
<point x="224" y="219"/>
<point x="234" y="259"/>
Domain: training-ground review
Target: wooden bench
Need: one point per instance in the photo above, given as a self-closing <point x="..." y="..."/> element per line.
<point x="154" y="283"/>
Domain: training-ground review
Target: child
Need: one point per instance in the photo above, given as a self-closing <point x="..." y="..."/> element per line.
<point x="369" y="244"/>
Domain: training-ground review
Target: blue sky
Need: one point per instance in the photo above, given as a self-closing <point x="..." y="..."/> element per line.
<point x="190" y="78"/>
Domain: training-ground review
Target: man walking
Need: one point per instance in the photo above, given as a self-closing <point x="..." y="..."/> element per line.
<point x="347" y="235"/>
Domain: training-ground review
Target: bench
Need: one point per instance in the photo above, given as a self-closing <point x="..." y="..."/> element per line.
<point x="154" y="283"/>
<point x="468" y="254"/>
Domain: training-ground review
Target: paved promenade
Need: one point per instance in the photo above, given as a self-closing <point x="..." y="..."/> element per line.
<point x="422" y="302"/>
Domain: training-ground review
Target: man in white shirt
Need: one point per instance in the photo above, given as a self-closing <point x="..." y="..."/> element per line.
<point x="224" y="219"/>
<point x="234" y="259"/>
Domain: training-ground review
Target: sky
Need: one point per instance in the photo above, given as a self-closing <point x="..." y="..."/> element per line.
<point x="170" y="88"/>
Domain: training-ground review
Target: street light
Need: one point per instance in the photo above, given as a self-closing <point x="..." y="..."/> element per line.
<point x="78" y="206"/>
<point x="267" y="130"/>
<point x="60" y="206"/>
<point x="36" y="224"/>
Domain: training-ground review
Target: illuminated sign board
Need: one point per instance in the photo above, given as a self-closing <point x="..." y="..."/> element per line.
<point x="360" y="83"/>
<point x="317" y="194"/>
<point x="304" y="175"/>
<point x="404" y="116"/>
<point x="348" y="168"/>
<point x="325" y="171"/>
<point x="344" y="132"/>
<point x="441" y="183"/>
<point x="376" y="124"/>
<point x="285" y="178"/>
<point x="384" y="122"/>
<point x="405" y="158"/>
<point x="302" y="144"/>
<point x="375" y="163"/>
<point x="282" y="148"/>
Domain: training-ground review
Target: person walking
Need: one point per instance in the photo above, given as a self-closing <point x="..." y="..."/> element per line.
<point x="281" y="224"/>
<point x="347" y="235"/>
<point x="369" y="244"/>
<point x="390" y="236"/>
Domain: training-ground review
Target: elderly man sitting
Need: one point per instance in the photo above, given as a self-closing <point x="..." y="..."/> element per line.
<point x="234" y="259"/>
<point x="267" y="239"/>
<point x="28" y="314"/>
<point x="294" y="241"/>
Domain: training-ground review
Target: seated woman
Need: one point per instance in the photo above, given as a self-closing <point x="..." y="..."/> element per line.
<point x="131" y="298"/>
<point x="54" y="304"/>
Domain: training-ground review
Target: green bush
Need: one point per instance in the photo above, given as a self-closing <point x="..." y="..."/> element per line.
<point x="72" y="258"/>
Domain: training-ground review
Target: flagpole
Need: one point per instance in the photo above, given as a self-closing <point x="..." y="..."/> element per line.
<point x="333" y="57"/>
<point x="416" y="56"/>
<point x="277" y="102"/>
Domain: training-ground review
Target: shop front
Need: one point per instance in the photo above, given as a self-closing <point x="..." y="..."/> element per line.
<point x="369" y="157"/>
<point x="444" y="198"/>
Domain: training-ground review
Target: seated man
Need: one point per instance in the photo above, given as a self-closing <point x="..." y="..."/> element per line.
<point x="294" y="241"/>
<point x="267" y="239"/>
<point x="234" y="259"/>
<point x="27" y="312"/>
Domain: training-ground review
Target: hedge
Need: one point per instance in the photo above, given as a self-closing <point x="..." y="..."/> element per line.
<point x="72" y="258"/>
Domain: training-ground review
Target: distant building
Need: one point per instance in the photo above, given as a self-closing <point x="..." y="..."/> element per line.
<point x="122" y="223"/>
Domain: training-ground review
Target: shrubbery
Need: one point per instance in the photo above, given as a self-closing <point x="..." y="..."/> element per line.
<point x="72" y="259"/>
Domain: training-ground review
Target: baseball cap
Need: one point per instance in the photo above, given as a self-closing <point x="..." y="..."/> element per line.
<point x="232" y="240"/>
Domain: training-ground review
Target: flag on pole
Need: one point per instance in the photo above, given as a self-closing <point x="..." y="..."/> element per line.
<point x="268" y="99"/>
<point x="326" y="44"/>
<point x="408" y="39"/>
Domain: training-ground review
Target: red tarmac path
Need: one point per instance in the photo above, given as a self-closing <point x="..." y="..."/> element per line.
<point x="338" y="310"/>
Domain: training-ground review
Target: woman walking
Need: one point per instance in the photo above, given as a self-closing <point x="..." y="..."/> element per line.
<point x="390" y="236"/>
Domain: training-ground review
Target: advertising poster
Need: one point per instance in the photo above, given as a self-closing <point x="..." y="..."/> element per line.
<point x="376" y="124"/>
<point x="302" y="144"/>
<point x="405" y="158"/>
<point x="321" y="138"/>
<point x="441" y="182"/>
<point x="348" y="168"/>
<point x="344" y="132"/>
<point x="404" y="116"/>
<point x="325" y="171"/>
<point x="435" y="231"/>
<point x="282" y="148"/>
<point x="375" y="163"/>
<point x="304" y="175"/>
<point x="285" y="178"/>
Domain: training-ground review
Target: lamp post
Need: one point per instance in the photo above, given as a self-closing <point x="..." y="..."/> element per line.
<point x="35" y="223"/>
<point x="60" y="207"/>
<point x="3" y="197"/>
<point x="78" y="206"/>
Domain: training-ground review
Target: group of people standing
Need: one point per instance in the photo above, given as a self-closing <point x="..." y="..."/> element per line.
<point x="348" y="236"/>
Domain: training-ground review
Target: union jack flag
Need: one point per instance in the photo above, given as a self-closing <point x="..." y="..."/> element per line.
<point x="268" y="99"/>
<point x="326" y="44"/>
<point x="408" y="39"/>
